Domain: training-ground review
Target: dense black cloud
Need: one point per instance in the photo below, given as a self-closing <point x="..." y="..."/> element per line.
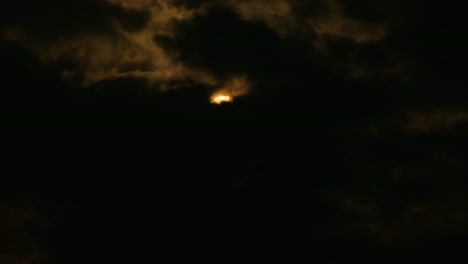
<point x="346" y="140"/>
<point x="57" y="19"/>
<point x="432" y="41"/>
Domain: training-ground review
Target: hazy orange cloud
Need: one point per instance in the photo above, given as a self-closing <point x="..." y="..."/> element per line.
<point x="337" y="23"/>
<point x="275" y="13"/>
<point x="438" y="119"/>
<point x="132" y="54"/>
<point x="98" y="57"/>
<point x="90" y="57"/>
<point x="279" y="15"/>
<point x="329" y="22"/>
<point x="416" y="220"/>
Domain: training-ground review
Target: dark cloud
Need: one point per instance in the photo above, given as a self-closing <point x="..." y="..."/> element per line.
<point x="55" y="19"/>
<point x="21" y="227"/>
<point x="345" y="139"/>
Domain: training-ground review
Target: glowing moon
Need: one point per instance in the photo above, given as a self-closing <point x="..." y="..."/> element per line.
<point x="232" y="88"/>
<point x="221" y="98"/>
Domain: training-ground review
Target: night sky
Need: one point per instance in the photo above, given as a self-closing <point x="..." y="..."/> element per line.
<point x="343" y="138"/>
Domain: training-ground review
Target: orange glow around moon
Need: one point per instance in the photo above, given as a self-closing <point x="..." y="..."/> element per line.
<point x="230" y="89"/>
<point x="221" y="98"/>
